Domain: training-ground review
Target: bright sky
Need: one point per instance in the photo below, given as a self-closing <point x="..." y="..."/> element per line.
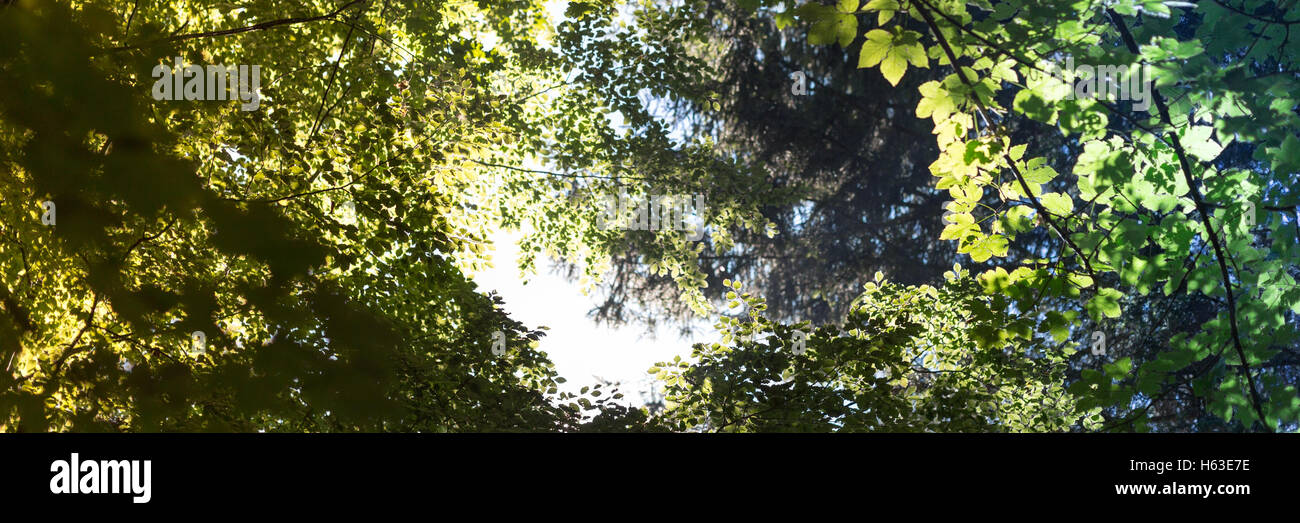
<point x="581" y="350"/>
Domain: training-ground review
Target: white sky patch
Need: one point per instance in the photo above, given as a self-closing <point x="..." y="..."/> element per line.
<point x="555" y="11"/>
<point x="581" y="350"/>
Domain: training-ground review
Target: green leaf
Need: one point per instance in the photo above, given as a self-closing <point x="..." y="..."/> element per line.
<point x="935" y="102"/>
<point x="1286" y="159"/>
<point x="1032" y="104"/>
<point x="1057" y="204"/>
<point x="1198" y="142"/>
<point x="1040" y="174"/>
<point x="893" y="50"/>
<point x="1104" y="303"/>
<point x="893" y="67"/>
<point x="987" y="247"/>
<point x="875" y="48"/>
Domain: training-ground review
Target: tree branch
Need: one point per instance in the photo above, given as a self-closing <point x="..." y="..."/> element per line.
<point x="1194" y="189"/>
<point x="961" y="74"/>
<point x="255" y="27"/>
<point x="551" y="173"/>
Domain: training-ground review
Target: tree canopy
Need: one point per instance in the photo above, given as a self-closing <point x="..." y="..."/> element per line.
<point x="912" y="221"/>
